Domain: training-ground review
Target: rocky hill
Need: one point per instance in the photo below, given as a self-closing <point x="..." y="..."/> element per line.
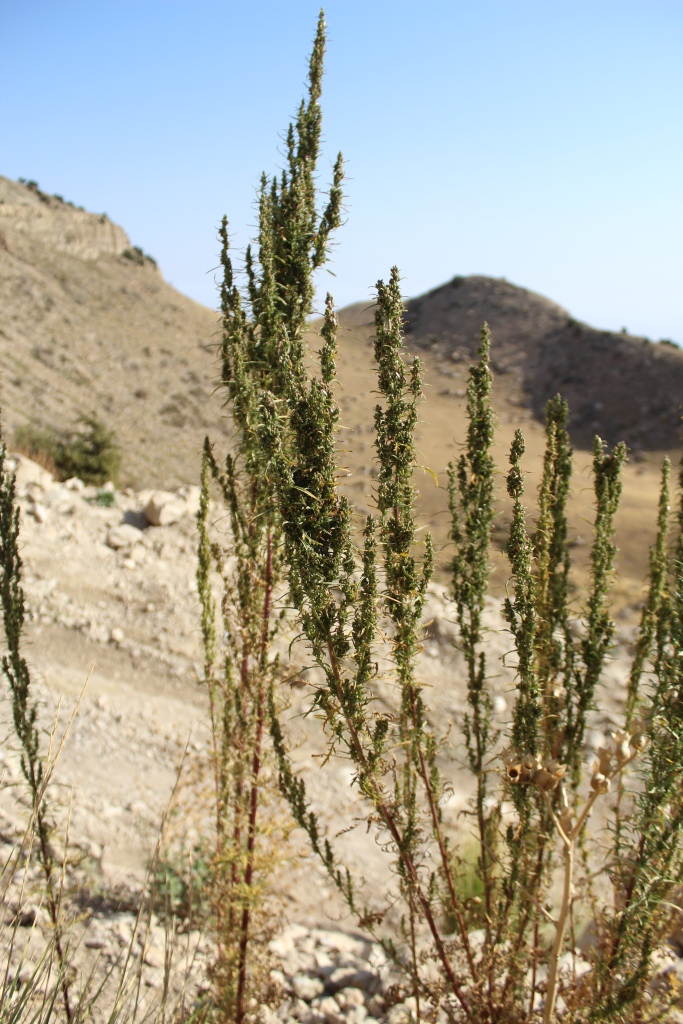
<point x="88" y="325"/>
<point x="621" y="387"/>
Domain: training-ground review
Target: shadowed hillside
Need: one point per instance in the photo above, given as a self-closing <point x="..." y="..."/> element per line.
<point x="621" y="387"/>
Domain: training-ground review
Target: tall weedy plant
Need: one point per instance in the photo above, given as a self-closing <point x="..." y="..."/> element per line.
<point x="263" y="329"/>
<point x="512" y="956"/>
<point x="25" y="720"/>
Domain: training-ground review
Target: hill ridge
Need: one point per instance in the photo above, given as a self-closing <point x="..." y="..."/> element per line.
<point x="618" y="386"/>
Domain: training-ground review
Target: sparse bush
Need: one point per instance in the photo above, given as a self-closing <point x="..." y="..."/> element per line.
<point x="105" y="499"/>
<point x="511" y="957"/>
<point x="137" y="256"/>
<point x="89" y="452"/>
<point x="182" y="887"/>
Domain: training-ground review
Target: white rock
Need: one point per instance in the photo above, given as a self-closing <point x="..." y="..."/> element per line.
<point x="351" y="977"/>
<point x="164" y="508"/>
<point x="191" y="497"/>
<point x="266" y="1016"/>
<point x="74" y="483"/>
<point x="376" y="1006"/>
<point x="350" y="997"/>
<point x="39" y="512"/>
<point x="306" y="987"/>
<point x="399" y="1014"/>
<point x="108" y="488"/>
<point x="329" y="1008"/>
<point x="29" y="472"/>
<point x="281" y="946"/>
<point x="123" y="536"/>
<point x="311" y="1016"/>
<point x="95" y="939"/>
<point x="340" y="941"/>
<point x="154" y="957"/>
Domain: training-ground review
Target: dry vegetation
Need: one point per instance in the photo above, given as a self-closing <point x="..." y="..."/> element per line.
<point x="491" y="789"/>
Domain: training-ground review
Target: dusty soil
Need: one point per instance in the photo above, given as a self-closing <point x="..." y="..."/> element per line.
<point x="115" y="604"/>
<point x="112" y="603"/>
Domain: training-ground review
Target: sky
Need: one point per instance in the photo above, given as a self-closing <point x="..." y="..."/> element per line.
<point x="536" y="140"/>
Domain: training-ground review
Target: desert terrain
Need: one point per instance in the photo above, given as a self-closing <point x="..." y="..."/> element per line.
<point x="87" y="325"/>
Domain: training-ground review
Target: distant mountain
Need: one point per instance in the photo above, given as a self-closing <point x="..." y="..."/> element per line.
<point x="618" y="386"/>
<point x="88" y="325"/>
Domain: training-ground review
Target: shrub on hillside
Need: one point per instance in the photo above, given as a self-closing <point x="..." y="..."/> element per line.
<point x="138" y="256"/>
<point x="89" y="451"/>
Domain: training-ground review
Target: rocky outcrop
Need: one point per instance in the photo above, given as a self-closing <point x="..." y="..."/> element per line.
<point x="30" y="220"/>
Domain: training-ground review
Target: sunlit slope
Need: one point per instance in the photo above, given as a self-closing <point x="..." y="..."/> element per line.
<point x="86" y="329"/>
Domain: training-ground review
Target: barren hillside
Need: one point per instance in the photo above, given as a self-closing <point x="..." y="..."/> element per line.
<point x="87" y="324"/>
<point x="623" y="388"/>
<point x="86" y="328"/>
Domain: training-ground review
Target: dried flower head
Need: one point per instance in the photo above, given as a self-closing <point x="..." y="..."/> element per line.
<point x="531" y="770"/>
<point x="600" y="783"/>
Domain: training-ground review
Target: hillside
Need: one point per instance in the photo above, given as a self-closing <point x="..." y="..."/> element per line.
<point x="89" y="326"/>
<point x="623" y="388"/>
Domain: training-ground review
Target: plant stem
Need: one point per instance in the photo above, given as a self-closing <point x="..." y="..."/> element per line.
<point x="254" y="795"/>
<point x="560" y="929"/>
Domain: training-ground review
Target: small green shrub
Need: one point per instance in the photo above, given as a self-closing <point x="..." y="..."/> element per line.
<point x="182" y="885"/>
<point x="105" y="499"/>
<point x="89" y="452"/>
<point x="138" y="256"/>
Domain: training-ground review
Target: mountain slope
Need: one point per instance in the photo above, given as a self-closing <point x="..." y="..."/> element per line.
<point x="623" y="388"/>
<point x="87" y="325"/>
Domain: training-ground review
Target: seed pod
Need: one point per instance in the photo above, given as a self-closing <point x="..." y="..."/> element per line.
<point x="600" y="784"/>
<point x="604" y="762"/>
<point x="622" y="745"/>
<point x="556" y="769"/>
<point x="545" y="780"/>
<point x="508" y="756"/>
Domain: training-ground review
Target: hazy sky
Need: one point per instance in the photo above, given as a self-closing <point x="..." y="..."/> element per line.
<point x="538" y="140"/>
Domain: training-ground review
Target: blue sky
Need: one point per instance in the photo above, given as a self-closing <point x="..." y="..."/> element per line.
<point x="538" y="140"/>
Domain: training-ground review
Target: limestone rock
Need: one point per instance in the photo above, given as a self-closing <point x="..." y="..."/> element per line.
<point x="165" y="508"/>
<point x="123" y="536"/>
<point x="39" y="512"/>
<point x="29" y="472"/>
<point x="306" y="987"/>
